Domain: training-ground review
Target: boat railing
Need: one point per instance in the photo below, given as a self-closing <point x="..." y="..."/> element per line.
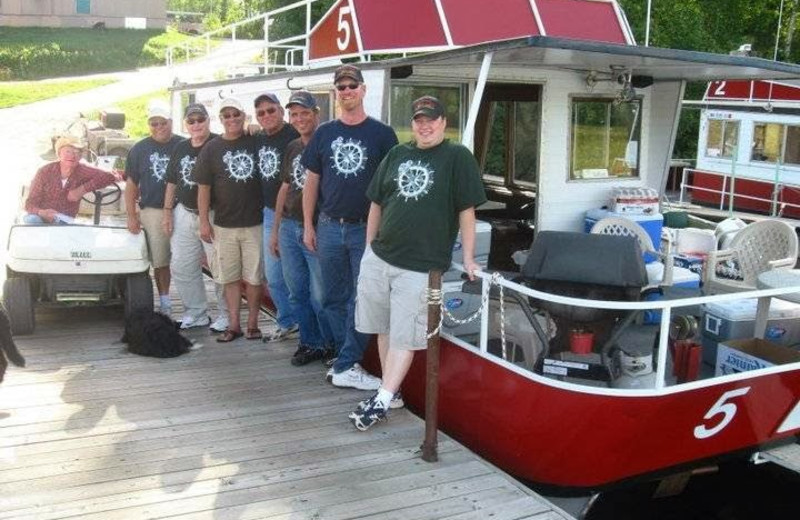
<point x="664" y="306"/>
<point x="727" y="192"/>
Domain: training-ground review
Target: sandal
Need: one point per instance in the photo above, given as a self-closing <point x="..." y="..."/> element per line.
<point x="229" y="335"/>
<point x="253" y="334"/>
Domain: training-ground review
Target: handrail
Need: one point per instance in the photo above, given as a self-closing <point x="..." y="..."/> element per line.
<point x="777" y="206"/>
<point x="665" y="306"/>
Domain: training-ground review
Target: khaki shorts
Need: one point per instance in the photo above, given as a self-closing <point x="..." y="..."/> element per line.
<point x="238" y="254"/>
<point x="157" y="240"/>
<point x="392" y="301"/>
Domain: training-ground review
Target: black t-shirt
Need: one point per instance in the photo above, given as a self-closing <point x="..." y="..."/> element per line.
<point x="146" y="166"/>
<point x="180" y="171"/>
<point x="346" y="157"/>
<point x="271" y="149"/>
<point x="230" y="168"/>
<point x="294" y="174"/>
<point x="421" y="193"/>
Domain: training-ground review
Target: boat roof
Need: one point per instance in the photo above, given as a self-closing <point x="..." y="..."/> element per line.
<point x="581" y="56"/>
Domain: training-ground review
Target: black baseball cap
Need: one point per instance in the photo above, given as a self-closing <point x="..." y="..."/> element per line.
<point x="195" y="108"/>
<point x="348" y="71"/>
<point x="427" y="106"/>
<point x="267" y="96"/>
<point x="302" y="98"/>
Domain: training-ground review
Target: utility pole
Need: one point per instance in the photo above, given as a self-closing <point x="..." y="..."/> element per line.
<point x="787" y="47"/>
<point x="647" y="25"/>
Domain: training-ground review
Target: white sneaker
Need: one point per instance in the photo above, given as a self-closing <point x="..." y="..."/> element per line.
<point x="281" y="334"/>
<point x="190" y="322"/>
<point x="356" y="377"/>
<point x="220" y="324"/>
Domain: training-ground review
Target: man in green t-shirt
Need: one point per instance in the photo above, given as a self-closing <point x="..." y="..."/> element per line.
<point x="422" y="194"/>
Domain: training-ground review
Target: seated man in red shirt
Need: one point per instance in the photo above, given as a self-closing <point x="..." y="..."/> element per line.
<point x="57" y="189"/>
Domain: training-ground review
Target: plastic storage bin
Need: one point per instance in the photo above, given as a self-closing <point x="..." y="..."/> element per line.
<point x="652" y="223"/>
<point x="723" y="321"/>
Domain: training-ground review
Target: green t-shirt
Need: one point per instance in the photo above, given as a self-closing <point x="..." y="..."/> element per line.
<point x="421" y="193"/>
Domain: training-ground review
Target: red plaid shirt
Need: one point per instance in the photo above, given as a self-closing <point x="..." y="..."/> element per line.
<point x="48" y="193"/>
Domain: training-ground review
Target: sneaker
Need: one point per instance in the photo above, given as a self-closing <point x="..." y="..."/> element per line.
<point x="306" y="355"/>
<point x="329" y="375"/>
<point x="394" y="404"/>
<point x="190" y="322"/>
<point x="281" y="334"/>
<point x="356" y="377"/>
<point x="373" y="413"/>
<point x="166" y="310"/>
<point x="220" y="324"/>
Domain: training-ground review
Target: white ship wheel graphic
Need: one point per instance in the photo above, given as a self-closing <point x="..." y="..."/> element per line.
<point x="414" y="179"/>
<point x="158" y="164"/>
<point x="298" y="174"/>
<point x="240" y="165"/>
<point x="268" y="162"/>
<point x="348" y="157"/>
<point x="187" y="164"/>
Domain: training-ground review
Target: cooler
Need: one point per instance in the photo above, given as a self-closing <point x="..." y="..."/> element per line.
<point x="461" y="305"/>
<point x="723" y="321"/>
<point x="652" y="223"/>
<point x="682" y="278"/>
<point x="483" y="242"/>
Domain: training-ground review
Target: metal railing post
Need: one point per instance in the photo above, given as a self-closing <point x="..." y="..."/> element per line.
<point x="430" y="446"/>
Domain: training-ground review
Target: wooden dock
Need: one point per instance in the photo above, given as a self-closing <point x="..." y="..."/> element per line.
<point x="229" y="431"/>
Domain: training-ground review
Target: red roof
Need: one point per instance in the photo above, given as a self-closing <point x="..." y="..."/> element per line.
<point x="353" y="27"/>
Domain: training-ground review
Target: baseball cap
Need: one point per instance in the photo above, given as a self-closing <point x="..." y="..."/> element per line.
<point x="68" y="140"/>
<point x="231" y="103"/>
<point x="195" y="108"/>
<point x="427" y="106"/>
<point x="267" y="96"/>
<point x="348" y="71"/>
<point x="302" y="98"/>
<point x="158" y="108"/>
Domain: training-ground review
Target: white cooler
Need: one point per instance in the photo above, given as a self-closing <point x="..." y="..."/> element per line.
<point x="483" y="242"/>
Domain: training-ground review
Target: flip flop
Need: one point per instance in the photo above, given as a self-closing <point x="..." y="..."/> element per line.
<point x="229" y="335"/>
<point x="253" y="334"/>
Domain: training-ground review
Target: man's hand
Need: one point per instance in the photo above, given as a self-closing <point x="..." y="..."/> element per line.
<point x="134" y="226"/>
<point x="471" y="268"/>
<point x="166" y="222"/>
<point x="273" y="245"/>
<point x="75" y="195"/>
<point x="48" y="215"/>
<point x="206" y="232"/>
<point x="310" y="239"/>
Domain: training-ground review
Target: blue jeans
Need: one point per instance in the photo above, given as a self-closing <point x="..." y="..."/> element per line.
<point x="302" y="274"/>
<point x="273" y="273"/>
<point x="340" y="247"/>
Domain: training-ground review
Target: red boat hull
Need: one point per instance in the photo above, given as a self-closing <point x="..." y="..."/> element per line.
<point x="743" y="187"/>
<point x="573" y="438"/>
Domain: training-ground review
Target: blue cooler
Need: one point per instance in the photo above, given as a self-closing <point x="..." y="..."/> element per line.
<point x="681" y="277"/>
<point x="652" y="223"/>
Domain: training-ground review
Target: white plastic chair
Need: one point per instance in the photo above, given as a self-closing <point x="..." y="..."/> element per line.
<point x="758" y="247"/>
<point x="619" y="226"/>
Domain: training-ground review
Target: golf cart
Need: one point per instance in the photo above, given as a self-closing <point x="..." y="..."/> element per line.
<point x="75" y="264"/>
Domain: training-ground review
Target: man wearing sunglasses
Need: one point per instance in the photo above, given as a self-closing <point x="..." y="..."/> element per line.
<point x="341" y="158"/>
<point x="146" y="172"/>
<point x="271" y="143"/>
<point x="228" y="181"/>
<point x="182" y="223"/>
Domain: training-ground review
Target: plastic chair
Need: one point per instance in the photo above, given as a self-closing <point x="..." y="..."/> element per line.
<point x="618" y="226"/>
<point x="758" y="247"/>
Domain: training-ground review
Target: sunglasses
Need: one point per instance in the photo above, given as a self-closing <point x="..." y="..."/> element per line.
<point x="156" y="124"/>
<point x="345" y="86"/>
<point x="195" y="120"/>
<point x="270" y="111"/>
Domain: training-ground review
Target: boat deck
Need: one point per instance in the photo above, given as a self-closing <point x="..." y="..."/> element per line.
<point x="226" y="431"/>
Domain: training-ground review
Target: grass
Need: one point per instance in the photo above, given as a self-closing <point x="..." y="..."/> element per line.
<point x="12" y="94"/>
<point x="135" y="110"/>
<point x="29" y="53"/>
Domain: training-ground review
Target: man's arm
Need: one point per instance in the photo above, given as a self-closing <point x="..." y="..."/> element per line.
<point x="34" y="202"/>
<point x="466" y="222"/>
<point x="169" y="201"/>
<point x="90" y="179"/>
<point x="310" y="196"/>
<point x="373" y="221"/>
<point x="203" y="208"/>
<point x="280" y="202"/>
<point x="131" y="196"/>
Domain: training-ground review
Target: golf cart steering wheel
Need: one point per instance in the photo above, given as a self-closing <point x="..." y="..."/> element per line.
<point x="102" y="197"/>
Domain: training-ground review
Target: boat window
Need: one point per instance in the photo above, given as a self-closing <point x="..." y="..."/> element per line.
<point x="507" y="134"/>
<point x="722" y="138"/>
<point x="403" y="94"/>
<point x="604" y="138"/>
<point x="791" y="153"/>
<point x="767" y="142"/>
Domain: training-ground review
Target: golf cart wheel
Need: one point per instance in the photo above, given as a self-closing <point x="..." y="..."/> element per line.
<point x="138" y="293"/>
<point x="18" y="301"/>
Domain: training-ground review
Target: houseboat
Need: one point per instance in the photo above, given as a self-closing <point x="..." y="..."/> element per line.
<point x="561" y="108"/>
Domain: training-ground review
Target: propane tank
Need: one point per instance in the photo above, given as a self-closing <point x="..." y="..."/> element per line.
<point x="633" y="367"/>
